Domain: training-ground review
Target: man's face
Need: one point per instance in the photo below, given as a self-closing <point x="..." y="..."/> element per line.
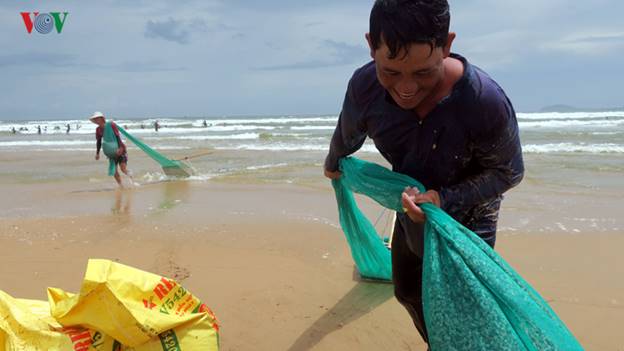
<point x="411" y="76"/>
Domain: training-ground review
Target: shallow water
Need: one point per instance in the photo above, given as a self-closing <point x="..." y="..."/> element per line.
<point x="574" y="161"/>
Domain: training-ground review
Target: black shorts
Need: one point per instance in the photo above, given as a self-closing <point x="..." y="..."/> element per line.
<point x="121" y="159"/>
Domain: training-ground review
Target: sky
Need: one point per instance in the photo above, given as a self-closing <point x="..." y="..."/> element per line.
<point x="155" y="58"/>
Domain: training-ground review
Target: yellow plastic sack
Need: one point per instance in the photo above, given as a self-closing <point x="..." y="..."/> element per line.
<point x="118" y="308"/>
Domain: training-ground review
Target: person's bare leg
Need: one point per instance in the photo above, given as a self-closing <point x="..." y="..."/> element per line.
<point x="124" y="168"/>
<point x="118" y="178"/>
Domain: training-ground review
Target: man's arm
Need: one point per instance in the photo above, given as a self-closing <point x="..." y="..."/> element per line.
<point x="350" y="132"/>
<point x="98" y="143"/>
<point x="498" y="152"/>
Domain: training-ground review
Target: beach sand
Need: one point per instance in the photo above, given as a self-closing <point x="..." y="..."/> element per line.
<point x="272" y="263"/>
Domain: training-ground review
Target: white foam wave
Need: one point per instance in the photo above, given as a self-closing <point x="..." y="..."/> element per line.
<point x="253" y="168"/>
<point x="275" y="147"/>
<point x="602" y="123"/>
<point x="237" y="127"/>
<point x="165" y="147"/>
<point x="46" y="142"/>
<point x="169" y="131"/>
<point x="54" y="149"/>
<point x="313" y="128"/>
<point x="282" y="120"/>
<point x="573" y="148"/>
<point x="569" y="115"/>
<point x="56" y="145"/>
<point x="243" y="136"/>
<point x="288" y="147"/>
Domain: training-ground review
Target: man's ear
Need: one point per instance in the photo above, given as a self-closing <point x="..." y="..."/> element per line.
<point x="449" y="43"/>
<point x="370" y="45"/>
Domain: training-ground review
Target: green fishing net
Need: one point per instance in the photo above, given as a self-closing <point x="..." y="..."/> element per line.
<point x="155" y="155"/>
<point x="472" y="299"/>
<point x="110" y="147"/>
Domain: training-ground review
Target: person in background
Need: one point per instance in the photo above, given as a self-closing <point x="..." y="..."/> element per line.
<point x="121" y="156"/>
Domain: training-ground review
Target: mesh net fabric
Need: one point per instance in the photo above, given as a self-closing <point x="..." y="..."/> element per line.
<point x="472" y="299"/>
<point x="155" y="155"/>
<point x="110" y="147"/>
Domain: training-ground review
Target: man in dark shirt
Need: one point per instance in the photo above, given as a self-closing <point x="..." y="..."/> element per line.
<point x="121" y="158"/>
<point x="436" y="118"/>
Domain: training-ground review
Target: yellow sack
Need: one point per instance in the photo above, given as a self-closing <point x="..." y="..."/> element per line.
<point x="118" y="308"/>
<point x="27" y="325"/>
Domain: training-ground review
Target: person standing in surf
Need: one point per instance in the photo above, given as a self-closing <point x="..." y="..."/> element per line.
<point x="113" y="146"/>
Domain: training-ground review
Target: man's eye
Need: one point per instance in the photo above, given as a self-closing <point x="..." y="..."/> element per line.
<point x="393" y="74"/>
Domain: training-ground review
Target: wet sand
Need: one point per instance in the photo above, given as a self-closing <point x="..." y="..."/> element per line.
<point x="272" y="263"/>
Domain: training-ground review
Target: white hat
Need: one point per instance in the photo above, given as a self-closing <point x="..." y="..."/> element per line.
<point x="95" y="115"/>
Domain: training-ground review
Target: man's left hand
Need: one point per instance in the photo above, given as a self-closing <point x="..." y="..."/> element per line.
<point x="412" y="197"/>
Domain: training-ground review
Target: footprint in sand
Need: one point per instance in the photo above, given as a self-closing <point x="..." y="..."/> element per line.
<point x="167" y="266"/>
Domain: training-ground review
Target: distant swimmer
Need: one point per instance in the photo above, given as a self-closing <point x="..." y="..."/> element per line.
<point x="113" y="146"/>
<point x="13" y="131"/>
<point x="68" y="129"/>
<point x="205" y="124"/>
<point x="38" y="129"/>
<point x="156" y="126"/>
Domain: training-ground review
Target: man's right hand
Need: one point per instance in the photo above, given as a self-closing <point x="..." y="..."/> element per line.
<point x="97" y="157"/>
<point x="332" y="175"/>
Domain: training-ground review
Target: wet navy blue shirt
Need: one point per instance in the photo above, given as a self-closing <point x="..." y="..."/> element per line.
<point x="467" y="148"/>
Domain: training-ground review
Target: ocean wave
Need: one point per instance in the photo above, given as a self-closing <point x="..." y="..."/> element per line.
<point x="569" y="115"/>
<point x="46" y="142"/>
<point x="165" y="130"/>
<point x="278" y="120"/>
<point x="600" y="123"/>
<point x="54" y="149"/>
<point x="57" y="145"/>
<point x="243" y="136"/>
<point x="275" y="147"/>
<point x="272" y="165"/>
<point x="313" y="128"/>
<point x="50" y="131"/>
<point x="573" y="148"/>
<point x="288" y="147"/>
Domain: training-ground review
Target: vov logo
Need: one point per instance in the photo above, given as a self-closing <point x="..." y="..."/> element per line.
<point x="44" y="22"/>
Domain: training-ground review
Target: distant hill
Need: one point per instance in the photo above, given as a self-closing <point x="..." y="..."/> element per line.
<point x="568" y="108"/>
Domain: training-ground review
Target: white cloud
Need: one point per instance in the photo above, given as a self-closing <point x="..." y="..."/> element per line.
<point x="308" y="50"/>
<point x="589" y="43"/>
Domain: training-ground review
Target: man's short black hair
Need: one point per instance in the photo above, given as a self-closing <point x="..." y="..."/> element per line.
<point x="400" y="23"/>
